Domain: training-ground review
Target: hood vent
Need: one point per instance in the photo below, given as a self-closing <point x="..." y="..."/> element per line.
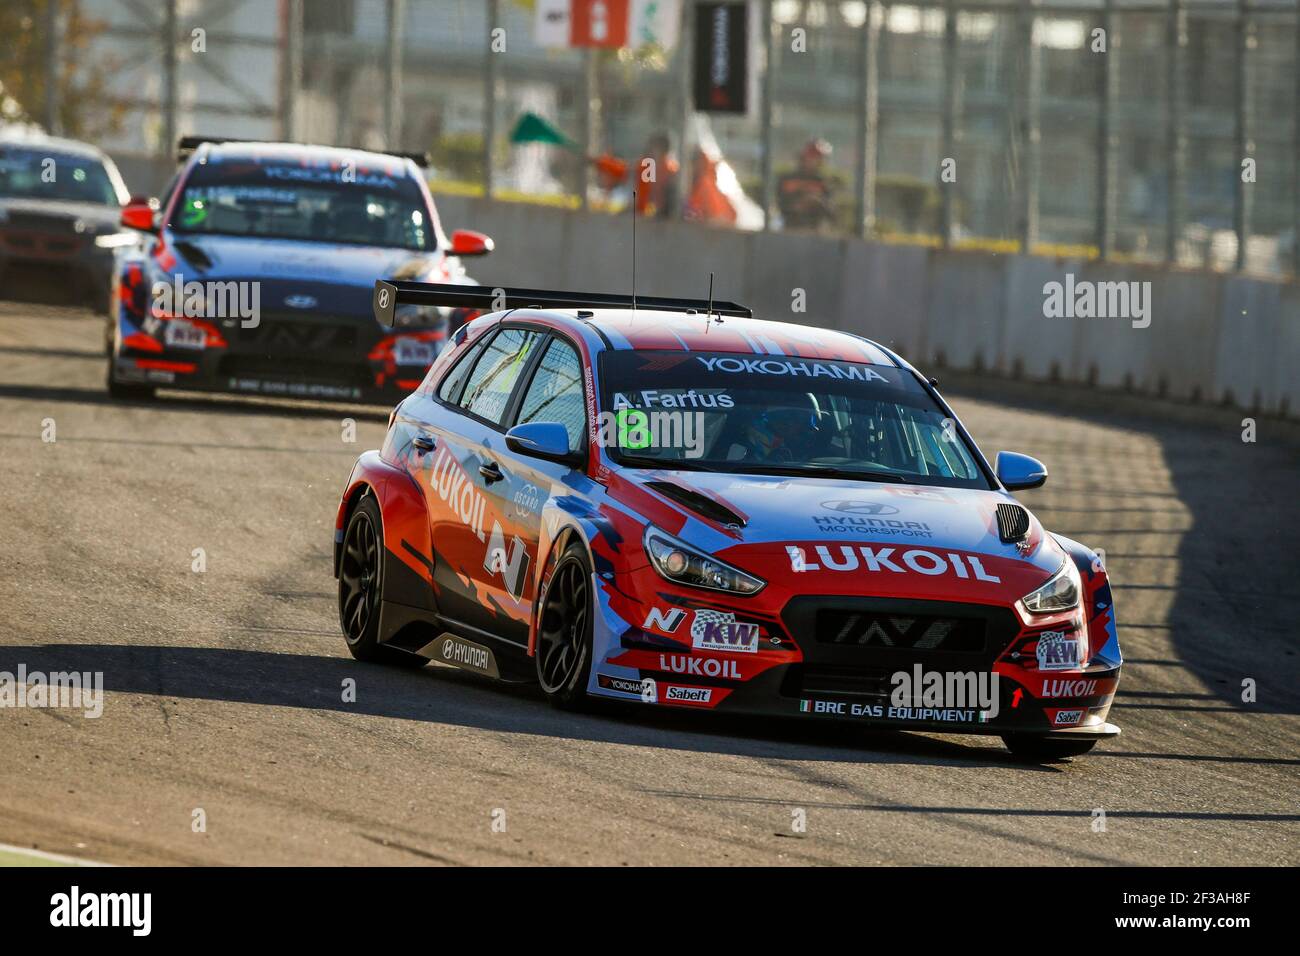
<point x="1013" y="523"/>
<point x="194" y="255"/>
<point x="700" y="504"/>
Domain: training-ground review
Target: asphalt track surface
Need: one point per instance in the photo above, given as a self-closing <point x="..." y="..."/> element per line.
<point x="224" y="688"/>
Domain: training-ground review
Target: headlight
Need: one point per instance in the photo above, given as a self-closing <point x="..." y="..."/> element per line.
<point x="679" y="562"/>
<point x="1059" y="594"/>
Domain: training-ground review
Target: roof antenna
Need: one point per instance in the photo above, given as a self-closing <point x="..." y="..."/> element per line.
<point x="634" y="246"/>
<point x="708" y="316"/>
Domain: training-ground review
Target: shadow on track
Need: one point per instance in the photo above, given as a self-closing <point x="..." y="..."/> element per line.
<point x="189" y="401"/>
<point x="1232" y="609"/>
<point x="443" y="695"/>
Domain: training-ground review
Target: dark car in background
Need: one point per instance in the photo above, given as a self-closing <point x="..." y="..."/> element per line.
<point x="60" y="201"/>
<point x="254" y="274"/>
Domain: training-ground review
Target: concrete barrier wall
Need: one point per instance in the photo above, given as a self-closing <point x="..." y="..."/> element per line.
<point x="1213" y="338"/>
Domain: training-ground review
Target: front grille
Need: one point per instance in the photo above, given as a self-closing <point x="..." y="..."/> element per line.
<point x="39" y="244"/>
<point x="838" y="682"/>
<point x="296" y="336"/>
<point x="852" y="645"/>
<point x="40" y="222"/>
<point x="918" y="632"/>
<point x="307" y="369"/>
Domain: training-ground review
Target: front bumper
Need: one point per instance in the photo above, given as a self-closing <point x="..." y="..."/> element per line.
<point x="773" y="693"/>
<point x="333" y="361"/>
<point x="888" y="663"/>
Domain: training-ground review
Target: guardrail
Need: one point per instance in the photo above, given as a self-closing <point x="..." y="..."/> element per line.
<point x="1207" y="337"/>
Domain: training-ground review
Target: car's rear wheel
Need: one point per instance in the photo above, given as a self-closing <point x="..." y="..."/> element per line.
<point x="361" y="581"/>
<point x="1032" y="747"/>
<point x="564" y="631"/>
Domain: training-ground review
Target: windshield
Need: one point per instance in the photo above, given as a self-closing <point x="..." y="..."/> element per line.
<point x="305" y="202"/>
<point x="779" y="415"/>
<point x="40" y="174"/>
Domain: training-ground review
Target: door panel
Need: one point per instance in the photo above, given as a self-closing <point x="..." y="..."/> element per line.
<point x="479" y="567"/>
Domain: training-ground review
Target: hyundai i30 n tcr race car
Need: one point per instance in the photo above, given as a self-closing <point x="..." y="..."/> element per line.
<point x="679" y="505"/>
<point x="254" y="274"/>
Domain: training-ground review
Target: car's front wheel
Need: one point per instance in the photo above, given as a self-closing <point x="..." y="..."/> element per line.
<point x="1039" y="748"/>
<point x="564" y="631"/>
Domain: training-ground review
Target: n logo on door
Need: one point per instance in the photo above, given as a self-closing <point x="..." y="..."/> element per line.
<point x="512" y="567"/>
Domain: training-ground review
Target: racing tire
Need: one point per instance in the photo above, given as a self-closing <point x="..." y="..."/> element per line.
<point x="564" y="628"/>
<point x="1037" y="748"/>
<point x="129" y="392"/>
<point x="361" y="588"/>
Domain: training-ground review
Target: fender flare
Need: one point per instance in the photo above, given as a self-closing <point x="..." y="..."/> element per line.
<point x="408" y="550"/>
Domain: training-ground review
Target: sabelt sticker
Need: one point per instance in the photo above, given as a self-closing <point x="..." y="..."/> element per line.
<point x="1067" y="718"/>
<point x="720" y="631"/>
<point x="679" y="694"/>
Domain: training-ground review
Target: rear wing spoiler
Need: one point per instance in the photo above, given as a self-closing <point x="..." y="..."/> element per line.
<point x="390" y="294"/>
<point x="186" y="146"/>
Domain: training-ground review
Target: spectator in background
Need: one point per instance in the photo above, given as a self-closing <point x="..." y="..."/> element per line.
<point x="804" y="196"/>
<point x="660" y="197"/>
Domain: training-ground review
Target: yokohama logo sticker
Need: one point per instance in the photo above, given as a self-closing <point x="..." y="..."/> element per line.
<point x="645" y="689"/>
<point x="775" y="366"/>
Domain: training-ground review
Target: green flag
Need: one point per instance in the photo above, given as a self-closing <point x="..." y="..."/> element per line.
<point x="531" y="128"/>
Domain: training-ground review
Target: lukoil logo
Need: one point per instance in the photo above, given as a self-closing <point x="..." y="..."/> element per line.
<point x="882" y="559"/>
<point x="700" y="666"/>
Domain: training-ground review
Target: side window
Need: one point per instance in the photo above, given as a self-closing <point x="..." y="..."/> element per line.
<point x="449" y="390"/>
<point x="555" y="394"/>
<point x="487" y="392"/>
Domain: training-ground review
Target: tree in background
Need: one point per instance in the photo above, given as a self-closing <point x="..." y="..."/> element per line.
<point x="84" y="109"/>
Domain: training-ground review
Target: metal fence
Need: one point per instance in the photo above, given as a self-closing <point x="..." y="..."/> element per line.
<point x="1149" y="130"/>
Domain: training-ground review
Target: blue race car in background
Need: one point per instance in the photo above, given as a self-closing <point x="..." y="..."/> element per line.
<point x="254" y="274"/>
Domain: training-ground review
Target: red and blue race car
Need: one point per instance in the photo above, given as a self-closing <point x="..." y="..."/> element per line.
<point x="670" y="503"/>
<point x="254" y="273"/>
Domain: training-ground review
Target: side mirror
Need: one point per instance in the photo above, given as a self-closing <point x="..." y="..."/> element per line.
<point x="547" y="440"/>
<point x="139" y="214"/>
<point x="1019" y="472"/>
<point x="467" y="242"/>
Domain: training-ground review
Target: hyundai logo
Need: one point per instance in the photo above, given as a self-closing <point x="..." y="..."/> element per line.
<point x="300" y="301"/>
<point x="860" y="507"/>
